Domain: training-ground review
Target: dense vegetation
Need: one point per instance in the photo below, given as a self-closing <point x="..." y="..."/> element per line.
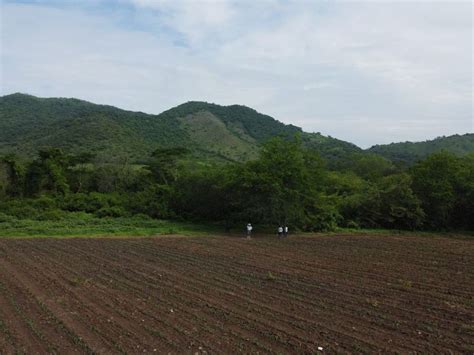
<point x="409" y="152"/>
<point x="211" y="132"/>
<point x="287" y="183"/>
<point x="28" y="123"/>
<point x="65" y="160"/>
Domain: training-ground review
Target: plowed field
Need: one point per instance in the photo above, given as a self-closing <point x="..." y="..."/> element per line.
<point x="321" y="294"/>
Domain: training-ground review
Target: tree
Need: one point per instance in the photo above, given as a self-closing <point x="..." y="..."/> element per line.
<point x="47" y="173"/>
<point x="371" y="167"/>
<point x="282" y="186"/>
<point x="164" y="164"/>
<point x="204" y="195"/>
<point x="80" y="171"/>
<point x="435" y="181"/>
<point x="13" y="175"/>
<point x="399" y="207"/>
<point x="358" y="200"/>
<point x="463" y="210"/>
<point x="113" y="173"/>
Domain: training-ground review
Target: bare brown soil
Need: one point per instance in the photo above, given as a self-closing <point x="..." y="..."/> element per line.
<point x="318" y="294"/>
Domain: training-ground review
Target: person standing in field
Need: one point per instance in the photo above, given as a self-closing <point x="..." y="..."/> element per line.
<point x="249" y="231"/>
<point x="280" y="231"/>
<point x="285" y="231"/>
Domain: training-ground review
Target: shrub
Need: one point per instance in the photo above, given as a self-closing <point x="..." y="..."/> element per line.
<point x="4" y="218"/>
<point x="20" y="210"/>
<point x="141" y="216"/>
<point x="153" y="201"/>
<point x="28" y="208"/>
<point x="43" y="203"/>
<point x="91" y="203"/>
<point x="352" y="224"/>
<point x="115" y="211"/>
<point x="51" y="215"/>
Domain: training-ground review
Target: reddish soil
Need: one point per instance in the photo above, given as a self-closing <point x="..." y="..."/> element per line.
<point x="341" y="294"/>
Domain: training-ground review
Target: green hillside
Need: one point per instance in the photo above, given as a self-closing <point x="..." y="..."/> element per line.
<point x="331" y="148"/>
<point x="210" y="131"/>
<point x="409" y="152"/>
<point x="229" y="132"/>
<point x="28" y="123"/>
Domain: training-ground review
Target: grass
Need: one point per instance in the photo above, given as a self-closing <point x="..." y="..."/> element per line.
<point x="81" y="224"/>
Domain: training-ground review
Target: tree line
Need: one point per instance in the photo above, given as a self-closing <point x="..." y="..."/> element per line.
<point x="287" y="184"/>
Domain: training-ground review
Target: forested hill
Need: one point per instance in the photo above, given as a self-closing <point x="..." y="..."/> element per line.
<point x="409" y="152"/>
<point x="210" y="131"/>
<point x="28" y="123"/>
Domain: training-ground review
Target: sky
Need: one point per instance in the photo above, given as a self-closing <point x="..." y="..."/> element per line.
<point x="369" y="72"/>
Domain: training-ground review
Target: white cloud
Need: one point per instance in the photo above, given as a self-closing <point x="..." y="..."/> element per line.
<point x="195" y="20"/>
<point x="368" y="72"/>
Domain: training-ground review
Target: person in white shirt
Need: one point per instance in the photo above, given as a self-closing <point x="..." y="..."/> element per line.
<point x="249" y="231"/>
<point x="285" y="231"/>
<point x="280" y="231"/>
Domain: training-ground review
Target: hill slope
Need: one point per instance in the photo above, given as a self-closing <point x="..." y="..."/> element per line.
<point x="409" y="152"/>
<point x="211" y="131"/>
<point x="28" y="123"/>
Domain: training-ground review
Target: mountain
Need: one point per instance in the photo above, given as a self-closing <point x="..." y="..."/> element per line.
<point x="210" y="131"/>
<point x="28" y="123"/>
<point x="409" y="152"/>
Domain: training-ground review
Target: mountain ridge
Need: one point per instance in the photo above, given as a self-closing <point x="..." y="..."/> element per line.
<point x="409" y="152"/>
<point x="211" y="131"/>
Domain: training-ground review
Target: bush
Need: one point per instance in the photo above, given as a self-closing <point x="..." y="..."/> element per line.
<point x="352" y="224"/>
<point x="153" y="201"/>
<point x="141" y="216"/>
<point x="115" y="211"/>
<point x="28" y="208"/>
<point x="20" y="209"/>
<point x="44" y="203"/>
<point x="324" y="221"/>
<point x="52" y="215"/>
<point x="90" y="203"/>
<point x="4" y="218"/>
